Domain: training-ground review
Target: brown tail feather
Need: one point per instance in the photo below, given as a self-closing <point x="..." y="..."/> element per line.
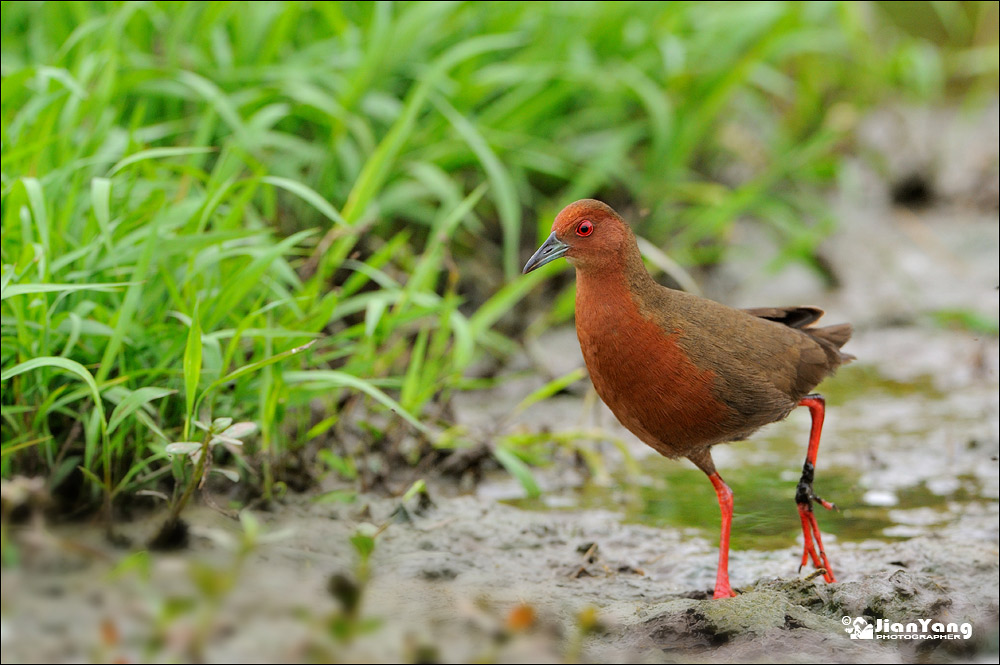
<point x="837" y="335"/>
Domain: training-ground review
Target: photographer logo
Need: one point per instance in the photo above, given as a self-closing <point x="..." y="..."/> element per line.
<point x="859" y="628"/>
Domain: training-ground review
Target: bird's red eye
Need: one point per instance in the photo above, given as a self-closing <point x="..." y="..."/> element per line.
<point x="585" y="228"/>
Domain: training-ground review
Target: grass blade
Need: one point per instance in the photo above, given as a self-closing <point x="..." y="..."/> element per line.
<point x="192" y="368"/>
<point x="519" y="470"/>
<point x="36" y="201"/>
<point x="329" y="378"/>
<point x="60" y="363"/>
<point x="100" y="200"/>
<point x="253" y="367"/>
<point x="308" y="195"/>
<point x="21" y="289"/>
<point x="549" y="389"/>
<point x="503" y="187"/>
<point x="156" y="153"/>
<point x="135" y="400"/>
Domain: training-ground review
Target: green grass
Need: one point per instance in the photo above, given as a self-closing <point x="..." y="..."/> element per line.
<point x="191" y="191"/>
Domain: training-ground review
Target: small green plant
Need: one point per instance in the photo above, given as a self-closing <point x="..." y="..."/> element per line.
<point x="222" y="432"/>
<point x="347" y="622"/>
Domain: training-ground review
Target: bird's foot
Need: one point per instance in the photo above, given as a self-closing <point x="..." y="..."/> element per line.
<point x="723" y="590"/>
<point x="813" y="548"/>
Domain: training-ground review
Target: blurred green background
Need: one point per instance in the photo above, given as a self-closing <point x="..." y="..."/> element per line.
<point x="193" y="192"/>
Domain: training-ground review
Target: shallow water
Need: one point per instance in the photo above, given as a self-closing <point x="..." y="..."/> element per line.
<point x="764" y="515"/>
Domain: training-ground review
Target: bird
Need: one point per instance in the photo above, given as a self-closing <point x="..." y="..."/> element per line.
<point x="684" y="373"/>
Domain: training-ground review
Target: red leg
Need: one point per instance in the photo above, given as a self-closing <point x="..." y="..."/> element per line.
<point x="722" y="588"/>
<point x="804" y="495"/>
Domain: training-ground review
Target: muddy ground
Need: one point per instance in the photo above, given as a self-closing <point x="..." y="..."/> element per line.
<point x="620" y="570"/>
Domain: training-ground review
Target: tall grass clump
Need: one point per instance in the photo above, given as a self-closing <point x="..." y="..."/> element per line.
<point x="295" y="214"/>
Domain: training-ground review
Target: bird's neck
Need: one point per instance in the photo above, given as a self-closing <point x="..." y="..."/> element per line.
<point x="620" y="274"/>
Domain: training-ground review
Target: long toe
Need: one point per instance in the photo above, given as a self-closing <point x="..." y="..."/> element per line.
<point x="823" y="502"/>
<point x="814" y="543"/>
<point x="808" y="547"/>
<point x="824" y="562"/>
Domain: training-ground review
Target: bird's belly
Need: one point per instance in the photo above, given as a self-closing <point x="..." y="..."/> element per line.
<point x="651" y="386"/>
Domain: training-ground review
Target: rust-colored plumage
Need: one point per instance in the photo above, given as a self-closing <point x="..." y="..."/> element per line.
<point x="684" y="373"/>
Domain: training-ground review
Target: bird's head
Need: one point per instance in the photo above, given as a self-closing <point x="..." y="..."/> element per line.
<point x="590" y="234"/>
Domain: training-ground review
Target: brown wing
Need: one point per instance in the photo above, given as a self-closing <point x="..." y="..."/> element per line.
<point x="801" y="318"/>
<point x="793" y="317"/>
